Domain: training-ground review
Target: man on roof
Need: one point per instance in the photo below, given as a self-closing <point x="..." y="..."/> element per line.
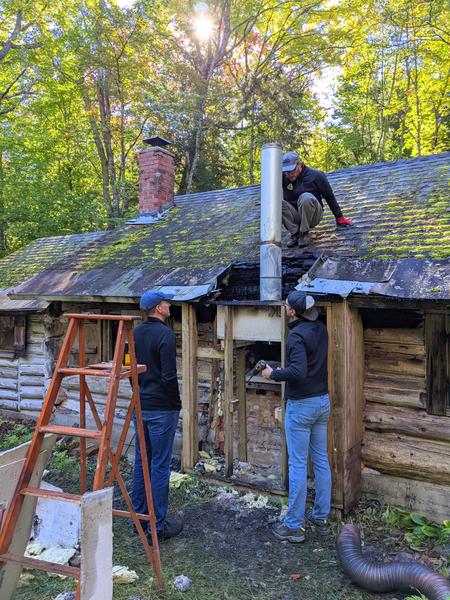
<point x="303" y="192"/>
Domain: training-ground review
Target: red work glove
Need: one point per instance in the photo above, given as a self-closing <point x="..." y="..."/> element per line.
<point x="343" y="222"/>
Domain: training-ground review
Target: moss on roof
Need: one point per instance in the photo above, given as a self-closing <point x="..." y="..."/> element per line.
<point x="400" y="209"/>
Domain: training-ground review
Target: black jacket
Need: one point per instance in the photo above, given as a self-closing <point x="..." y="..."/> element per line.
<point x="156" y="347"/>
<point x="306" y="372"/>
<point x="316" y="182"/>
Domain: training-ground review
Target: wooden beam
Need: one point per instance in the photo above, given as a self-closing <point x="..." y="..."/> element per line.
<point x="284" y="453"/>
<point x="189" y="453"/>
<point x="242" y="406"/>
<point x="427" y="499"/>
<point x="346" y="373"/>
<point x="407" y="421"/>
<point x="402" y="455"/>
<point x="206" y="352"/>
<point x="436" y="363"/>
<point x="228" y="389"/>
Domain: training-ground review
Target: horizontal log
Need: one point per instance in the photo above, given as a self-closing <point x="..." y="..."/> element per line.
<point x="8" y="394"/>
<point x="412" y="350"/>
<point x="406" y="456"/>
<point x="8" y="363"/>
<point x="416" y="423"/>
<point x="8" y="384"/>
<point x="428" y="499"/>
<point x="395" y="336"/>
<point x="32" y="392"/>
<point x="9" y="404"/>
<point x="397" y="381"/>
<point x="390" y="363"/>
<point x="30" y="404"/>
<point x="32" y="370"/>
<point x="395" y="397"/>
<point x="33" y="381"/>
<point x="9" y="372"/>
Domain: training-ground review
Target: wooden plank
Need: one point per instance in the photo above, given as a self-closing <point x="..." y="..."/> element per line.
<point x="189" y="389"/>
<point x="42" y="565"/>
<point x="96" y="545"/>
<point x="407" y="421"/>
<point x="70" y="431"/>
<point x="346" y="373"/>
<point x="394" y="397"/>
<point x="395" y="336"/>
<point x="206" y="352"/>
<point x="397" y="454"/>
<point x="428" y="499"/>
<point x="437" y="363"/>
<point x="242" y="406"/>
<point x="388" y="363"/>
<point x="228" y="388"/>
<point x="11" y="464"/>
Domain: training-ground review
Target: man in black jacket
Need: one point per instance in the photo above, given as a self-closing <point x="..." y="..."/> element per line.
<point x="303" y="191"/>
<point x="306" y="418"/>
<point x="160" y="402"/>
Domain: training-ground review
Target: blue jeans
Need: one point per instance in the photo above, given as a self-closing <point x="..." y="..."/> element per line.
<point x="159" y="433"/>
<point x="306" y="423"/>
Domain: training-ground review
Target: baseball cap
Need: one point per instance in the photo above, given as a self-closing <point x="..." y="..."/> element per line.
<point x="290" y="161"/>
<point x="303" y="305"/>
<point x="152" y="298"/>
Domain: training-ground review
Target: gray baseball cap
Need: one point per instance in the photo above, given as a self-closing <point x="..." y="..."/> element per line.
<point x="290" y="161"/>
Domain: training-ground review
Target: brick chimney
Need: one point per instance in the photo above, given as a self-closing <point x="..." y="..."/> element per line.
<point x="156" y="177"/>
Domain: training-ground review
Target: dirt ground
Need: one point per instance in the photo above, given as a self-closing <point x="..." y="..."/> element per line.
<point x="229" y="553"/>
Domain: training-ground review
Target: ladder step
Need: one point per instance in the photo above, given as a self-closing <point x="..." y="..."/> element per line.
<point x="42" y="565"/>
<point x="89" y="372"/>
<point x="71" y="431"/>
<point x="85" y="371"/>
<point x="42" y="493"/>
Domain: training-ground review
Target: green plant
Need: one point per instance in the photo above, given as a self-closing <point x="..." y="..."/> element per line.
<point x="62" y="461"/>
<point x="419" y="531"/>
<point x="19" y="434"/>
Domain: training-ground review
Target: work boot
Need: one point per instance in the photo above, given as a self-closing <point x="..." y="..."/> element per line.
<point x="283" y="533"/>
<point x="172" y="527"/>
<point x="320" y="525"/>
<point x="293" y="242"/>
<point x="304" y="239"/>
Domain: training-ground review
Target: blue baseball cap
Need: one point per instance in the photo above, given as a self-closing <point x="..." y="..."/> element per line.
<point x="290" y="161"/>
<point x="152" y="298"/>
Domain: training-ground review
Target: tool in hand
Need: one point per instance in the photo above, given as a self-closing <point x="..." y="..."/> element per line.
<point x="260" y="366"/>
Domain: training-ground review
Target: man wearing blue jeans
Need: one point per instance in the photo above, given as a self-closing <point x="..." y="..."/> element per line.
<point x="160" y="403"/>
<point x="306" y="419"/>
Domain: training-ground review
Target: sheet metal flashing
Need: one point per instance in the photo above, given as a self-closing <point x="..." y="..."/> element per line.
<point x="21" y="306"/>
<point x="180" y="293"/>
<point x="412" y="279"/>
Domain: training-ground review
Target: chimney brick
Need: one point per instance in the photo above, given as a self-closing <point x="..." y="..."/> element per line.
<point x="156" y="180"/>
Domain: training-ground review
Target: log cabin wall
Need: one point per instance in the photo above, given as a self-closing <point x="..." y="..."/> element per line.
<point x="406" y="450"/>
<point x="24" y="380"/>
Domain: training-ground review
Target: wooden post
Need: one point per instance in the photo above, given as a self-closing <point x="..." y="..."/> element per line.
<point x="284" y="453"/>
<point x="228" y="390"/>
<point x="189" y="374"/>
<point x="437" y="363"/>
<point x="346" y="375"/>
<point x="242" y="406"/>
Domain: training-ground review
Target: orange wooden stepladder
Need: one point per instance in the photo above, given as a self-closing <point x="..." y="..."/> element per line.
<point x="115" y="371"/>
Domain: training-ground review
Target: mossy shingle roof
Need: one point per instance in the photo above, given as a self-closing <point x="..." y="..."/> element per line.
<point x="400" y="209"/>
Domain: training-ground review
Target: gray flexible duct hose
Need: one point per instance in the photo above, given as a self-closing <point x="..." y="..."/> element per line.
<point x="389" y="577"/>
